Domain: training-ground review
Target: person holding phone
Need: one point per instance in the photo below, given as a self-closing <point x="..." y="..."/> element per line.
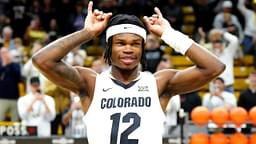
<point x="37" y="109"/>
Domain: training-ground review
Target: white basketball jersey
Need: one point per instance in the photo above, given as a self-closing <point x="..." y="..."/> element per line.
<point x="125" y="114"/>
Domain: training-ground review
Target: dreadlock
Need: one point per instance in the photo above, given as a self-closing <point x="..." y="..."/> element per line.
<point x="123" y="19"/>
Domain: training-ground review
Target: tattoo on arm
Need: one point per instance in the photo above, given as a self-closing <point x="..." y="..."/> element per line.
<point x="69" y="75"/>
<point x="64" y="45"/>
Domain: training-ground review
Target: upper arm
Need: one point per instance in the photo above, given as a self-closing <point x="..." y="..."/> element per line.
<point x="66" y="76"/>
<point x="188" y="80"/>
<point x="180" y="81"/>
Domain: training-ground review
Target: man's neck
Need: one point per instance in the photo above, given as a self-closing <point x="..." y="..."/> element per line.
<point x="123" y="75"/>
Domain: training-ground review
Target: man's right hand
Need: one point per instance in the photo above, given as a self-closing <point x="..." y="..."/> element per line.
<point x="96" y="21"/>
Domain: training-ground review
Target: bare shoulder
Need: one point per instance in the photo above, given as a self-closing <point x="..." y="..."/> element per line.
<point x="163" y="78"/>
<point x="88" y="77"/>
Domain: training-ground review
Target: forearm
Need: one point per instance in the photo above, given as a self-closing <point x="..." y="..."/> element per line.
<point x="206" y="65"/>
<point x="30" y="106"/>
<point x="241" y="7"/>
<point x="50" y="112"/>
<point x="205" y="61"/>
<point x="233" y="42"/>
<point x="59" y="48"/>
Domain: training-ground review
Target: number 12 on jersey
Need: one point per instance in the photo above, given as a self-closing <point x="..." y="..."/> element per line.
<point x="116" y="118"/>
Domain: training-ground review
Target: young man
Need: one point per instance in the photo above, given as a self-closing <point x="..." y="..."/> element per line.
<point x="37" y="109"/>
<point x="124" y="102"/>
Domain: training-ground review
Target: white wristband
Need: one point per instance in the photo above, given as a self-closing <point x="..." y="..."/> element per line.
<point x="177" y="40"/>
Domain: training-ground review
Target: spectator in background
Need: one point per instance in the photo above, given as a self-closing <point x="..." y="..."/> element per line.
<point x="225" y="46"/>
<point x="249" y="29"/>
<point x="53" y="31"/>
<point x="18" y="52"/>
<point x="34" y="9"/>
<point x="37" y="109"/>
<point x="218" y="97"/>
<point x="10" y="76"/>
<point x="7" y="39"/>
<point x="227" y="21"/>
<point x="173" y="13"/>
<point x="189" y="101"/>
<point x="247" y="98"/>
<point x="204" y="13"/>
<point x="153" y="53"/>
<point x="18" y="13"/>
<point x="34" y="32"/>
<point x="164" y="63"/>
<point x="76" y="19"/>
<point x="4" y="20"/>
<point x="73" y="119"/>
<point x="98" y="65"/>
<point x="76" y="57"/>
<point x="48" y="13"/>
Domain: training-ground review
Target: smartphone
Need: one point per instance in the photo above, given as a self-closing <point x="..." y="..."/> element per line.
<point x="39" y="91"/>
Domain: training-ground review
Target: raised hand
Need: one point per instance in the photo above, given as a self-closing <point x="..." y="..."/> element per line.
<point x="96" y="21"/>
<point x="156" y="23"/>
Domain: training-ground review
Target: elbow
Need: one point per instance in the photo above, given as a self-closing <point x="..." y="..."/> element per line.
<point x="36" y="60"/>
<point x="218" y="69"/>
<point x="41" y="62"/>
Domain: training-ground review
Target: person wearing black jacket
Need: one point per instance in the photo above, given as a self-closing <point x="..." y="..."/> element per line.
<point x="10" y="76"/>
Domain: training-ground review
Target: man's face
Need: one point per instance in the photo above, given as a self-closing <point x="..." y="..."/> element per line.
<point x="217" y="46"/>
<point x="219" y="84"/>
<point x="252" y="80"/>
<point x="152" y="42"/>
<point x="35" y="87"/>
<point x="5" y="54"/>
<point x="126" y="50"/>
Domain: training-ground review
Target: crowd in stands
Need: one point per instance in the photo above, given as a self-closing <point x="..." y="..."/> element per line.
<point x="226" y="28"/>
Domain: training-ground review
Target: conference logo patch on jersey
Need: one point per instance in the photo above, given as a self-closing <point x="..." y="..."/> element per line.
<point x="143" y="88"/>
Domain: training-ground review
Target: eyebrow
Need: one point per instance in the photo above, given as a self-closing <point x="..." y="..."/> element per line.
<point x="124" y="39"/>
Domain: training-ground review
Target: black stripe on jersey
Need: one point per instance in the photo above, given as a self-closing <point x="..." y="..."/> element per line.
<point x="125" y="86"/>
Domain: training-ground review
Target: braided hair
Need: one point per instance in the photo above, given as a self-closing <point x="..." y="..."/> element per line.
<point x="123" y="19"/>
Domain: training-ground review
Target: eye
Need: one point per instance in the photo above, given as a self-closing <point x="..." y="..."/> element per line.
<point x="120" y="43"/>
<point x="137" y="44"/>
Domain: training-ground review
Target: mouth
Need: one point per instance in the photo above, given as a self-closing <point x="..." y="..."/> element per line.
<point x="127" y="60"/>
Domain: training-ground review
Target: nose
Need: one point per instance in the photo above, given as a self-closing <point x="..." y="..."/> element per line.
<point x="128" y="49"/>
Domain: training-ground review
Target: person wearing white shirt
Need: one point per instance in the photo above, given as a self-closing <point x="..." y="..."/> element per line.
<point x="227" y="21"/>
<point x="171" y="110"/>
<point x="225" y="46"/>
<point x="218" y="97"/>
<point x="249" y="29"/>
<point x="37" y="109"/>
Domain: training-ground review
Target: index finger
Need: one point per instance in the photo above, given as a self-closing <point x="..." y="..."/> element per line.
<point x="89" y="9"/>
<point x="158" y="12"/>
